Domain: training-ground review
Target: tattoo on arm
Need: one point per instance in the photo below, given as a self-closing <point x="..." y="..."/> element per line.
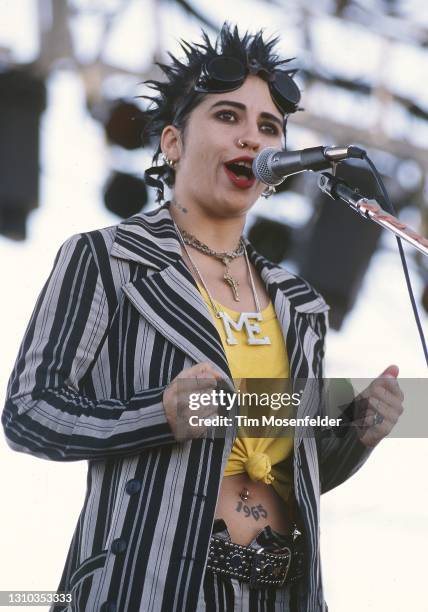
<point x="255" y="511"/>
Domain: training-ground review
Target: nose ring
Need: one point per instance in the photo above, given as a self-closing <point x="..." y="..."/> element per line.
<point x="241" y="144"/>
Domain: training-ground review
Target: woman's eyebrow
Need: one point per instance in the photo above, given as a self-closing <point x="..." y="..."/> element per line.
<point x="241" y="106"/>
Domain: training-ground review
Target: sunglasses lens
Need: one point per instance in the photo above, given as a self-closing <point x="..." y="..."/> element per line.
<point x="285" y="92"/>
<point x="225" y="73"/>
<point x="226" y="68"/>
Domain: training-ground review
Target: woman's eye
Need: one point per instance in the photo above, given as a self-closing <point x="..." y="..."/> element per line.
<point x="225" y="115"/>
<point x="269" y="128"/>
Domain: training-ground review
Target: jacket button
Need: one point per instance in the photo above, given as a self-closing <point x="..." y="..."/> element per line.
<point x="133" y="486"/>
<point x="108" y="606"/>
<point x="118" y="546"/>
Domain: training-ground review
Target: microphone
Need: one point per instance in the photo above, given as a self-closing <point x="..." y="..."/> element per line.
<point x="272" y="166"/>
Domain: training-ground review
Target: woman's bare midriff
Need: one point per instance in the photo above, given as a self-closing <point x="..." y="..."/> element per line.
<point x="244" y="519"/>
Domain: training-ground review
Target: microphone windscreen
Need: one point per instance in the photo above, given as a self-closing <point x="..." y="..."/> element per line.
<point x="262" y="167"/>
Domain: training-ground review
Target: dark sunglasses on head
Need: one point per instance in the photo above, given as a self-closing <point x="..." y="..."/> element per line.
<point x="224" y="73"/>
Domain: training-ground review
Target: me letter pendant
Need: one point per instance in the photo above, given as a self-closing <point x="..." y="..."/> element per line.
<point x="243" y="321"/>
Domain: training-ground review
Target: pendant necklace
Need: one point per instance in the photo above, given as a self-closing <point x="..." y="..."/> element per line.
<point x="247" y="320"/>
<point x="224" y="256"/>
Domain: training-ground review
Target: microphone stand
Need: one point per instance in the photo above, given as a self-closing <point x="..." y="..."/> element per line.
<point x="337" y="189"/>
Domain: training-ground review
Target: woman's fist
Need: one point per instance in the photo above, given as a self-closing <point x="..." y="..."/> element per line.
<point x="200" y="378"/>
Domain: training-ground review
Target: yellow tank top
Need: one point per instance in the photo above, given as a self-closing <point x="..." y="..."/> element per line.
<point x="259" y="457"/>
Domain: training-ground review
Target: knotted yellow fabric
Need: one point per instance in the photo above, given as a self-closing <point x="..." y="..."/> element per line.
<point x="258" y="467"/>
<point x="264" y="459"/>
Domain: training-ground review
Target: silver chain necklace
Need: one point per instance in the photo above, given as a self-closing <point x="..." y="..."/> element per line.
<point x="251" y="328"/>
<point x="224" y="256"/>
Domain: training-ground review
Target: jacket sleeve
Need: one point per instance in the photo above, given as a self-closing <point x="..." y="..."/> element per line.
<point x="46" y="414"/>
<point x="340" y="451"/>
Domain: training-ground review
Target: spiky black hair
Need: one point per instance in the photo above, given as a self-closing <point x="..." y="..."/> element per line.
<point x="181" y="77"/>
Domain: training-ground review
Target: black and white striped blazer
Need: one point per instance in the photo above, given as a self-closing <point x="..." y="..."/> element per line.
<point x="119" y="317"/>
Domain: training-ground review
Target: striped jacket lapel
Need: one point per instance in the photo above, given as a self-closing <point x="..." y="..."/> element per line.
<point x="168" y="296"/>
<point x="172" y="303"/>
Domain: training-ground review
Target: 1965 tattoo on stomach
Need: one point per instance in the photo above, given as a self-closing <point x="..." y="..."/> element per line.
<point x="252" y="511"/>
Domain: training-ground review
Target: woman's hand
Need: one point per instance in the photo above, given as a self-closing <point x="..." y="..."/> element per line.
<point x="379" y="407"/>
<point x="200" y="378"/>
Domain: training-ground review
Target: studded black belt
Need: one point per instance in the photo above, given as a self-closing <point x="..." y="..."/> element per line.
<point x="261" y="569"/>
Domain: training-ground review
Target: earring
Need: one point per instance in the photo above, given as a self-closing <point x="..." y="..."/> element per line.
<point x="241" y="144"/>
<point x="169" y="162"/>
<point x="268" y="192"/>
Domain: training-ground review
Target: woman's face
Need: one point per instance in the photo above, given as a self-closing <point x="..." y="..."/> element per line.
<point x="209" y="173"/>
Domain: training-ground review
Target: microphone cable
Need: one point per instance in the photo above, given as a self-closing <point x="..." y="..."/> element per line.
<point x="389" y="204"/>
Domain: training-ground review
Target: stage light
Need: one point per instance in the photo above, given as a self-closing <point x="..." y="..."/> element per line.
<point x="270" y="238"/>
<point x="339" y="248"/>
<point x="22" y="100"/>
<point x="124" y="194"/>
<point x="125" y="125"/>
